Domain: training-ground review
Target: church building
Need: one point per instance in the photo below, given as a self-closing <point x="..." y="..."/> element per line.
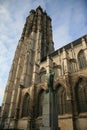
<point x="27" y="100"/>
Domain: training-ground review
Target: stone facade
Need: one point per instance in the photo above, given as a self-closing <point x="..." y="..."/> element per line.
<point x="23" y="103"/>
<point x="0" y="110"/>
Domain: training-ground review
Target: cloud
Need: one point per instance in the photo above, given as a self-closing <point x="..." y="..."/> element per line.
<point x="61" y="36"/>
<point x="69" y="22"/>
<point x="42" y="3"/>
<point x="78" y="20"/>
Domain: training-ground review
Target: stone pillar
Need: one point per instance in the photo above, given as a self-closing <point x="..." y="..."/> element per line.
<point x="35" y="77"/>
<point x="14" y="92"/>
<point x="69" y="103"/>
<point x="49" y="66"/>
<point x="65" y="60"/>
<point x="73" y="56"/>
<point x="49" y="34"/>
<point x="37" y="58"/>
<point x="16" y="115"/>
<point x="68" y="107"/>
<point x="49" y="116"/>
<point x="18" y="102"/>
<point x="60" y="64"/>
<point x="68" y="94"/>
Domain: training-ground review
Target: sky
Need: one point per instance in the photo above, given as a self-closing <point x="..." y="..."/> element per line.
<point x="69" y="22"/>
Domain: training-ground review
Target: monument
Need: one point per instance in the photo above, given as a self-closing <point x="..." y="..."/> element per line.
<point x="50" y="114"/>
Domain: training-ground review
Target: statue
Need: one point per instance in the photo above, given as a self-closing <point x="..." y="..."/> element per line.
<point x="50" y="80"/>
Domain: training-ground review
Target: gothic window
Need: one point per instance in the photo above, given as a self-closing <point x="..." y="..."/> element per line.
<point x="81" y="59"/>
<point x="72" y="65"/>
<point x="81" y="95"/>
<point x="40" y="102"/>
<point x="61" y="99"/>
<point x="25" y="107"/>
<point x="55" y="72"/>
<point x="42" y="75"/>
<point x="55" y="69"/>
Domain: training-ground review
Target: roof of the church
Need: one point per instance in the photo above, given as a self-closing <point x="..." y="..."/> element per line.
<point x="69" y="45"/>
<point x="66" y="47"/>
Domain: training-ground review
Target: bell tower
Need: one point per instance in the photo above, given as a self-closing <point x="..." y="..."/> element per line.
<point x="36" y="42"/>
<point x="38" y="26"/>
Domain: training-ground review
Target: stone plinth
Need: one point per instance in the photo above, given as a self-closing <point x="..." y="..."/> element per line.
<point x="49" y="116"/>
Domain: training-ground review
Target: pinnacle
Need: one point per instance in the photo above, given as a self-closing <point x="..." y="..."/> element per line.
<point x="39" y="7"/>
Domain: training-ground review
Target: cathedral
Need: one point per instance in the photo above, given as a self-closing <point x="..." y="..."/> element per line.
<point x="28" y="103"/>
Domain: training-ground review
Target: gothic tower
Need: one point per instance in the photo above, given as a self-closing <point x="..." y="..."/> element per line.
<point x="35" y="44"/>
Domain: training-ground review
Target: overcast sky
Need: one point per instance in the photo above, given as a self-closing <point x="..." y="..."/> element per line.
<point x="69" y="22"/>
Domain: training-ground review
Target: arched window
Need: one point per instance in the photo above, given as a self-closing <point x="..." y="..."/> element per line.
<point x="40" y="102"/>
<point x="55" y="69"/>
<point x="25" y="107"/>
<point x="81" y="59"/>
<point x="72" y="65"/>
<point x="42" y="75"/>
<point x="81" y="95"/>
<point x="61" y="99"/>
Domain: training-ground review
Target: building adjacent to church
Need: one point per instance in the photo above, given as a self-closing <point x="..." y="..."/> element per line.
<point x="35" y="57"/>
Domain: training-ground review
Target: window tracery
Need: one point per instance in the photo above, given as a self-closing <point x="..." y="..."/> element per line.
<point x="81" y="59"/>
<point x="55" y="69"/>
<point x="25" y="107"/>
<point x="40" y="102"/>
<point x="81" y="95"/>
<point x="61" y="100"/>
<point x="72" y="65"/>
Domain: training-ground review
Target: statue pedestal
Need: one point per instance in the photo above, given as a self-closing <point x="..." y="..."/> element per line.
<point x="50" y="114"/>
